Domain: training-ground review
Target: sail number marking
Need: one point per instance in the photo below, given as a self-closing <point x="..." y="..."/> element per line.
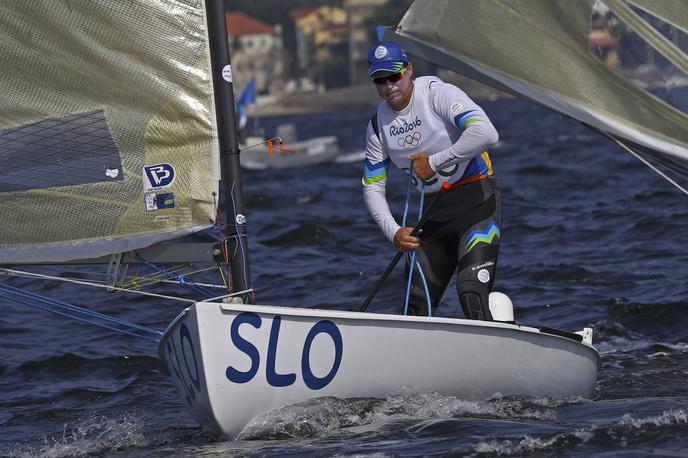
<point x="187" y="374"/>
<point x="273" y="378"/>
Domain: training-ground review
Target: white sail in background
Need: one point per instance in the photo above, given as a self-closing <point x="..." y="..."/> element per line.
<point x="543" y="50"/>
<point x="107" y="127"/>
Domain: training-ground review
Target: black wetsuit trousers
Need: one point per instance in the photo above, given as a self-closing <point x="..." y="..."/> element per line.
<point x="461" y="236"/>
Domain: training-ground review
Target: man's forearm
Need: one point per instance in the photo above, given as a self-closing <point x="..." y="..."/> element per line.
<point x="376" y="202"/>
<point x="472" y="142"/>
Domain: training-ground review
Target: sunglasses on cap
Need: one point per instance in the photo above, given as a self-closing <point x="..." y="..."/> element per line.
<point x="393" y="78"/>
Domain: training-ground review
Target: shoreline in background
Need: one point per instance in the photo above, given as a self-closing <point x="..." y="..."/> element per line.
<point x="353" y="97"/>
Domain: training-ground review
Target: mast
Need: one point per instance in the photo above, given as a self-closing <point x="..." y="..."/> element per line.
<point x="233" y="209"/>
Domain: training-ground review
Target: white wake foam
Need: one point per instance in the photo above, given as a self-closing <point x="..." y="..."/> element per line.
<point x="319" y="416"/>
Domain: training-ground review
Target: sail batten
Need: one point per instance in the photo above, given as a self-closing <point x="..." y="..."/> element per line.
<point x="108" y="136"/>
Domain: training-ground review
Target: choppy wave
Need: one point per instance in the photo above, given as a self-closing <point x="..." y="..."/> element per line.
<point x="317" y="417"/>
<point x="307" y="233"/>
<point x="93" y="436"/>
<point x="622" y="433"/>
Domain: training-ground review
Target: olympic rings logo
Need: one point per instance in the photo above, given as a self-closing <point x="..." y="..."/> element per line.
<point x="410" y="140"/>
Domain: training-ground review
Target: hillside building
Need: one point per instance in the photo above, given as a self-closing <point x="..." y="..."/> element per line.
<point x="257" y="51"/>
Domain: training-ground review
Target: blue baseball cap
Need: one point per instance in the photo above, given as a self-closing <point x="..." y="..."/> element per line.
<point x="387" y="57"/>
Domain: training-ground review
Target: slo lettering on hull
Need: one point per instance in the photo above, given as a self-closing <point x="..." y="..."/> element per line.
<point x="182" y="357"/>
<point x="273" y="378"/>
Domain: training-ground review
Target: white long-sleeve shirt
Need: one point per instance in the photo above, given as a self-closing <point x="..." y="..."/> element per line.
<point x="440" y="120"/>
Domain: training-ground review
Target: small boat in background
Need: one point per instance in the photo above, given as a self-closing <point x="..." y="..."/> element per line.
<point x="285" y="150"/>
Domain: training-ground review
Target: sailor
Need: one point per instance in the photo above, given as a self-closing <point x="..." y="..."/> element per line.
<point x="434" y="130"/>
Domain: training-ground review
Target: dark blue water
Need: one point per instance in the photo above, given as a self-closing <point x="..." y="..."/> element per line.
<point x="591" y="237"/>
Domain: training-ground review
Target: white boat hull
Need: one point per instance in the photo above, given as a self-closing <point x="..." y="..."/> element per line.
<point x="233" y="362"/>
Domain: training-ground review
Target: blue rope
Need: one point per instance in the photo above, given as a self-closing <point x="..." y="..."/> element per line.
<point x="412" y="257"/>
<point x="427" y="291"/>
<point x="408" y="282"/>
<point x="420" y="269"/>
<point x="28" y="298"/>
<point x="180" y="278"/>
<point x="408" y="196"/>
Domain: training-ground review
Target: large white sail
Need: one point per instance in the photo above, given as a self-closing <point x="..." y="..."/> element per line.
<point x="548" y="51"/>
<point x="107" y="126"/>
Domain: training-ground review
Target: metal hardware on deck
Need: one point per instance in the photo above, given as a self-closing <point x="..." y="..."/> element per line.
<point x="116" y="273"/>
<point x="587" y="335"/>
<point x="558" y="332"/>
<point x="217" y="253"/>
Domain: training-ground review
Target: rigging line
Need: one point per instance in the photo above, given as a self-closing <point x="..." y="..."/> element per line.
<point x="19" y="273"/>
<point x="222" y="275"/>
<point x="262" y="143"/>
<point x="427" y="291"/>
<point x="669" y="162"/>
<point x="173" y="282"/>
<point x="411" y="259"/>
<point x="159" y="277"/>
<point x="420" y="269"/>
<point x="207" y="285"/>
<point x="205" y="269"/>
<point x="181" y="278"/>
<point x="135" y="282"/>
<point x="236" y="246"/>
<point x="644" y="161"/>
<point x="76" y="318"/>
<point x="76" y="273"/>
<point x="75" y="308"/>
<point x="132" y="280"/>
<point x="153" y="277"/>
<point x="408" y="196"/>
<point x="226" y="270"/>
<point x="140" y="282"/>
<point x="156" y="275"/>
<point x="11" y="292"/>
<point x="220" y="228"/>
